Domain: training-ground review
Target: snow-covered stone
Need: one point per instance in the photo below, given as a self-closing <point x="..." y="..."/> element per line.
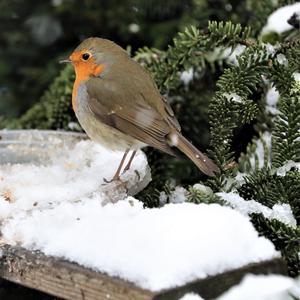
<point x="69" y="174"/>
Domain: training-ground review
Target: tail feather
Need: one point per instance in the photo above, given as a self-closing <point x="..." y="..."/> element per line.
<point x="205" y="164"/>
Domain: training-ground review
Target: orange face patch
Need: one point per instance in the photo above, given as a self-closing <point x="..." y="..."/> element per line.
<point x="84" y="69"/>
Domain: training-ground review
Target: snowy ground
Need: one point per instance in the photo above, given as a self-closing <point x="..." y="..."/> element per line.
<point x="58" y="208"/>
<point x="259" y="287"/>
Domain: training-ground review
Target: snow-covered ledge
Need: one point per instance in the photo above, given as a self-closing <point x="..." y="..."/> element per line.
<point x="61" y="227"/>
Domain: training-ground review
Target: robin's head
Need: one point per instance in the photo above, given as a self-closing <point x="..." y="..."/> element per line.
<point x="93" y="56"/>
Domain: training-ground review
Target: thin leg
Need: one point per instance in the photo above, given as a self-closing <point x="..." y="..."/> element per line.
<point x="130" y="161"/>
<point x="117" y="174"/>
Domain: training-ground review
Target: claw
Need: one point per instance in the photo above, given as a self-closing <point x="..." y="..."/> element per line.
<point x="107" y="181"/>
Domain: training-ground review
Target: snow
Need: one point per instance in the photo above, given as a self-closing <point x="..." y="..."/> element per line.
<point x="63" y="209"/>
<point x="203" y="188"/>
<point x="281" y="212"/>
<point x="154" y="248"/>
<point x="178" y="195"/>
<point x="262" y="287"/>
<point x="232" y="55"/>
<point x="163" y="198"/>
<point x="70" y="176"/>
<point x="187" y="76"/>
<point x="277" y="21"/>
<point x="282" y="59"/>
<point x="272" y="97"/>
<point x="271" y="49"/>
<point x="233" y="97"/>
<point x="259" y="287"/>
<point x="191" y="296"/>
<point x="281" y="171"/>
<point x="259" y="153"/>
<point x="296" y="76"/>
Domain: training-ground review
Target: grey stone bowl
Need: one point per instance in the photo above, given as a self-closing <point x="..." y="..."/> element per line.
<point x="35" y="146"/>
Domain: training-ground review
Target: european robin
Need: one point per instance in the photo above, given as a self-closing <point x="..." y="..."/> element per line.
<point x="119" y="105"/>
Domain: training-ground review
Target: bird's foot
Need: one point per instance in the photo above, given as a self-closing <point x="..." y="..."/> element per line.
<point x="125" y="170"/>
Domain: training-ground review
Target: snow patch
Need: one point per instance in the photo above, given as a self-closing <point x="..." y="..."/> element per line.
<point x="296" y="76"/>
<point x="282" y="59"/>
<point x="262" y="287"/>
<point x="232" y="55"/>
<point x="281" y="212"/>
<point x="281" y="171"/>
<point x="191" y="296"/>
<point x="69" y="177"/>
<point x="203" y="188"/>
<point x="259" y="153"/>
<point x="178" y="195"/>
<point x="272" y="97"/>
<point x="271" y="49"/>
<point x="233" y="97"/>
<point x="277" y="21"/>
<point x="187" y="76"/>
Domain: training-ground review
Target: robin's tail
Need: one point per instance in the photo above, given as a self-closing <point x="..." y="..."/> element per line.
<point x="206" y="165"/>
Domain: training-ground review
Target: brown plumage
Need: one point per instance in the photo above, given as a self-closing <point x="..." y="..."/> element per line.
<point x="119" y="105"/>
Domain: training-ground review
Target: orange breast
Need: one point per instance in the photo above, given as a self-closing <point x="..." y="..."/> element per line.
<point x="84" y="70"/>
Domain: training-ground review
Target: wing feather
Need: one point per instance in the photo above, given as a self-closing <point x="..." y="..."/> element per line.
<point x="129" y="113"/>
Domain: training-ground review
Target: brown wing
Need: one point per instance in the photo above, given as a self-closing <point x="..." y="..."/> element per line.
<point x="127" y="111"/>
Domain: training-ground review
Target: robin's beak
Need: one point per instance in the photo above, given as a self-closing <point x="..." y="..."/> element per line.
<point x="65" y="61"/>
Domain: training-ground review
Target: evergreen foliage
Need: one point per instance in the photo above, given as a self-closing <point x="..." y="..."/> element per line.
<point x="222" y="107"/>
<point x="53" y="111"/>
<point x="286" y="239"/>
<point x="36" y="34"/>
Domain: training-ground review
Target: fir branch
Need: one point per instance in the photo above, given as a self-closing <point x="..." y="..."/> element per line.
<point x="226" y="114"/>
<point x="286" y="135"/>
<point x="285" y="238"/>
<point x="190" y="49"/>
<point x="269" y="189"/>
<point x="251" y="161"/>
<point x="203" y="194"/>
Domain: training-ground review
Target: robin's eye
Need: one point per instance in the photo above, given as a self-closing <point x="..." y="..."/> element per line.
<point x="85" y="56"/>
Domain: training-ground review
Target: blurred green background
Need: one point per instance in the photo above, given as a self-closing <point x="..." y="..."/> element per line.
<point x="36" y="34"/>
